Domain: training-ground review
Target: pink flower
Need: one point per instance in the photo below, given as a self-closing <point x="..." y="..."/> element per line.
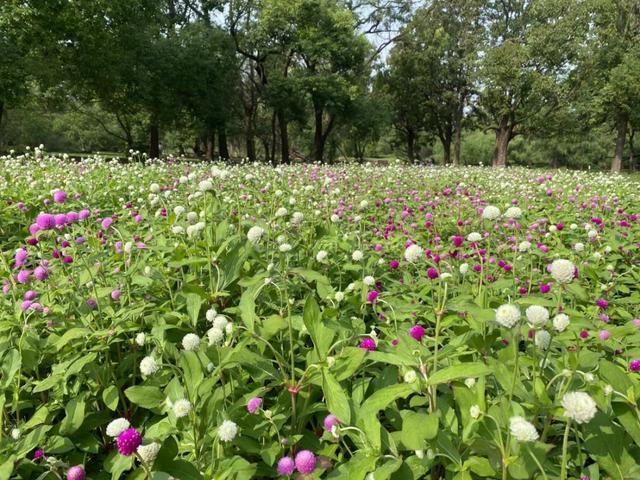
<point x="41" y="273"/>
<point x="634" y="365"/>
<point x="38" y="454"/>
<point x="305" y="462"/>
<point x="394" y="264"/>
<point x="604" y="335"/>
<point x="129" y="441"/>
<point x="368" y="344"/>
<point x="59" y="196"/>
<point x="286" y="466"/>
<point x="46" y="221"/>
<point x="254" y="404"/>
<point x="602" y="303"/>
<point x="372" y="296"/>
<point x="432" y="273"/>
<point x="115" y="294"/>
<point x="584" y="334"/>
<point x="330" y="421"/>
<point x="417" y="332"/>
<point x="76" y="473"/>
<point x="545" y="288"/>
<point x="106" y="223"/>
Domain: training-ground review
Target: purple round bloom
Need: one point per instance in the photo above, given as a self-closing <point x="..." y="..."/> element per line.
<point x="41" y="273"/>
<point x="84" y="214"/>
<point x="129" y="441"/>
<point x="72" y="217"/>
<point x="30" y="295"/>
<point x="115" y="294"/>
<point x="67" y="259"/>
<point x="38" y="454"/>
<point x="286" y="466"/>
<point x="61" y="219"/>
<point x="254" y="404"/>
<point x="59" y="196"/>
<point x="368" y="344"/>
<point x="394" y="264"/>
<point x="432" y="273"/>
<point x="545" y="288"/>
<point x="634" y="365"/>
<point x="330" y="421"/>
<point x="584" y="334"/>
<point x="23" y="276"/>
<point x="372" y="296"/>
<point x="106" y="223"/>
<point x="305" y="462"/>
<point x="602" y="303"/>
<point x="46" y="221"/>
<point x="24" y="306"/>
<point x="417" y="332"/>
<point x="92" y="303"/>
<point x="604" y="335"/>
<point x="76" y="473"/>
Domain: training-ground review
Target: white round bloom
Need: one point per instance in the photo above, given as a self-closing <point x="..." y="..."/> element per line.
<point x="148" y="366"/>
<point x="573" y="226"/>
<point x="191" y="342"/>
<point x="229" y="328"/>
<point x="369" y="280"/>
<point x="608" y="390"/>
<point x="179" y="210"/>
<point x="181" y="408"/>
<point x="255" y="234"/>
<point x="285" y="247"/>
<point x="364" y="204"/>
<point x="561" y="322"/>
<point x="220" y="322"/>
<point x="154" y="188"/>
<point x="297" y="218"/>
<point x="579" y="406"/>
<point x="608" y="249"/>
<point x="470" y="382"/>
<point x="464" y="268"/>
<point x="537" y="315"/>
<point x="339" y="296"/>
<point x="211" y="314"/>
<point x="508" y="315"/>
<point x="192" y="217"/>
<point x="205" y="186"/>
<point x="215" y="336"/>
<point x="413" y="253"/>
<point x="411" y="376"/>
<point x="117" y="426"/>
<point x="140" y="339"/>
<point x="357" y="256"/>
<point x="490" y="212"/>
<point x="512" y="212"/>
<point x="592" y="234"/>
<point x="281" y="212"/>
<point x="227" y="431"/>
<point x="177" y="229"/>
<point x="543" y="339"/>
<point x="16" y="433"/>
<point x="321" y="256"/>
<point x="335" y="218"/>
<point x="578" y="247"/>
<point x="562" y="270"/>
<point x="524" y="246"/>
<point x="148" y="453"/>
<point x="474" y="237"/>
<point x="522" y="430"/>
<point x="474" y="411"/>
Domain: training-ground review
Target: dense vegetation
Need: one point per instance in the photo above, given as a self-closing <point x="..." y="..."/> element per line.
<point x="460" y="81"/>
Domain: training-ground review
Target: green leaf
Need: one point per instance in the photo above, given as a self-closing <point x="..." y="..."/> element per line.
<point x="417" y="428"/>
<point x="321" y="335"/>
<point x="75" y="416"/>
<point x="192" y="369"/>
<point x="145" y="396"/>
<point x="38" y="418"/>
<point x="10" y="366"/>
<point x="247" y="308"/>
<point x="6" y="468"/>
<point x="480" y="466"/>
<point x="194" y="302"/>
<point x="462" y="370"/>
<point x="337" y="400"/>
<point x="110" y="397"/>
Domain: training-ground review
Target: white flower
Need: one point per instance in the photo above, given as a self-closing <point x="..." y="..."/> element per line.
<point x="562" y="270"/>
<point x="339" y="296"/>
<point x="413" y="253"/>
<point x="154" y="188"/>
<point x="140" y="339"/>
<point x="608" y="390"/>
<point x="490" y="212"/>
<point x="578" y="247"/>
<point x="607" y="249"/>
<point x="211" y="314"/>
<point x="363" y="204"/>
<point x="411" y="376"/>
<point x="227" y="431"/>
<point x="117" y="426"/>
<point x="281" y="212"/>
<point x="592" y="234"/>
<point x="357" y="256"/>
<point x="522" y="430"/>
<point x="215" y="336"/>
<point x="220" y="322"/>
<point x="179" y="210"/>
<point x="524" y="246"/>
<point x="560" y="322"/>
<point x="573" y="226"/>
<point x="474" y="411"/>
<point x="512" y="212"/>
<point x="470" y="382"/>
<point x="191" y="342"/>
<point x="464" y="268"/>
<point x="148" y="366"/>
<point x="228" y="329"/>
<point x="205" y="186"/>
<point x="296" y="218"/>
<point x="579" y="406"/>
<point x="321" y="256"/>
<point x="15" y="433"/>
<point x="285" y="247"/>
<point x="192" y="217"/>
<point x="148" y="453"/>
<point x="335" y="218"/>
<point x="369" y="280"/>
<point x="543" y="339"/>
<point x="474" y="237"/>
<point x="181" y="408"/>
<point x="537" y="316"/>
<point x="507" y="315"/>
<point x="255" y="234"/>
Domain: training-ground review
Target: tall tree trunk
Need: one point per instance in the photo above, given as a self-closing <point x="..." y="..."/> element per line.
<point x="318" y="141"/>
<point x="250" y="139"/>
<point x="284" y="138"/>
<point x="210" y="144"/>
<point x="411" y="145"/>
<point x="223" y="148"/>
<point x="621" y="127"/>
<point x="446" y="149"/>
<point x="154" y="140"/>
<point x="632" y="165"/>
<point x="1" y="114"/>
<point x="274" y="117"/>
<point x="503" y="137"/>
<point x="457" y="129"/>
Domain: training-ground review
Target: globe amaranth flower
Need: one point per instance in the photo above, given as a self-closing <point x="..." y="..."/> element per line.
<point x="255" y="234"/>
<point x="148" y="366"/>
<point x="522" y="430"/>
<point x="537" y="316"/>
<point x="216" y="335"/>
<point x="432" y="273"/>
<point x="227" y="431"/>
<point x="38" y="454"/>
<point x="191" y="342"/>
<point x="305" y="462"/>
<point x="372" y="296"/>
<point x="181" y="408"/>
<point x="563" y="271"/>
<point x="634" y="365"/>
<point x="129" y="441"/>
<point x="602" y="303"/>
<point x="76" y="473"/>
<point x="357" y="256"/>
<point x="117" y="426"/>
<point x="330" y="421"/>
<point x="286" y="466"/>
<point x="561" y="322"/>
<point x="413" y="253"/>
<point x="490" y="212"/>
<point x="507" y="315"/>
<point x="254" y="404"/>
<point x="579" y="406"/>
<point x="417" y="332"/>
<point x="148" y="453"/>
<point x="542" y="339"/>
<point x="368" y="344"/>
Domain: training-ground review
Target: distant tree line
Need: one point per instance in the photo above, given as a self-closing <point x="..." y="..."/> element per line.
<point x="316" y="80"/>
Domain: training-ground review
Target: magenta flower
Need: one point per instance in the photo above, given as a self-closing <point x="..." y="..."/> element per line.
<point x="602" y="303"/>
<point x="330" y="421"/>
<point x="84" y="214"/>
<point x="46" y="221"/>
<point x="394" y="264"/>
<point x="254" y="404"/>
<point x="604" y="335"/>
<point x="38" y="454"/>
<point x="305" y="462"/>
<point x="76" y="473"/>
<point x="286" y="466"/>
<point x="368" y="344"/>
<point x="59" y="196"/>
<point x="23" y="276"/>
<point x="584" y="334"/>
<point x="545" y="288"/>
<point x="417" y="332"/>
<point x="41" y="273"/>
<point x="129" y="441"/>
<point x="432" y="273"/>
<point x="106" y="223"/>
<point x="372" y="296"/>
<point x="634" y="365"/>
<point x="457" y="241"/>
<point x="115" y="294"/>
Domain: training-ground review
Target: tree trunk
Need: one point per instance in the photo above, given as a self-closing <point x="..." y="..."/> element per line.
<point x="621" y="126"/>
<point x="223" y="148"/>
<point x="250" y="140"/>
<point x="318" y="140"/>
<point x="411" y="145"/>
<point x="284" y="138"/>
<point x="632" y="165"/>
<point x="446" y="149"/>
<point x="457" y="133"/>
<point x="1" y="113"/>
<point x="154" y="140"/>
<point x="210" y="144"/>
<point x="272" y="160"/>
<point x="503" y="137"/>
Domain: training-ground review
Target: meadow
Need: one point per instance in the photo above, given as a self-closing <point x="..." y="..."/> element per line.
<point x="211" y="321"/>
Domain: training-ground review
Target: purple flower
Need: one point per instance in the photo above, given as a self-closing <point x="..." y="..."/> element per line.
<point x="305" y="462"/>
<point x="129" y="441"/>
<point x="584" y="334"/>
<point x="330" y="421"/>
<point x="545" y="288"/>
<point x="604" y="335"/>
<point x="286" y="466"/>
<point x="394" y="264"/>
<point x="30" y="295"/>
<point x="115" y="294"/>
<point x="59" y="196"/>
<point x="84" y="214"/>
<point x="24" y="306"/>
<point x="76" y="473"/>
<point x="417" y="332"/>
<point x="372" y="296"/>
<point x="61" y="219"/>
<point x="72" y="217"/>
<point x="602" y="303"/>
<point x="634" y="365"/>
<point x="92" y="303"/>
<point x="368" y="344"/>
<point x="254" y="404"/>
<point x="38" y="454"/>
<point x="41" y="273"/>
<point x="106" y="223"/>
<point x="45" y="221"/>
<point x="432" y="273"/>
<point x="23" y="276"/>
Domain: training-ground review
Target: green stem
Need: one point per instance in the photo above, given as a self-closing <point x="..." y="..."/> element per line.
<point x="565" y="443"/>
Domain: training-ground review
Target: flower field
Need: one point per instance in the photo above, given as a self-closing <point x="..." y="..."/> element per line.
<point x="198" y="321"/>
